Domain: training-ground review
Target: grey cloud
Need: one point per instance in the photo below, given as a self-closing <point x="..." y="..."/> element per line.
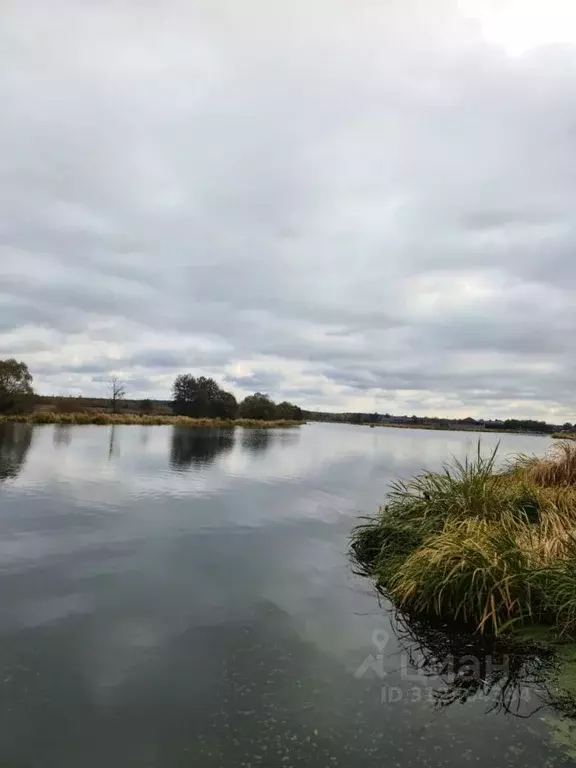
<point x="266" y="382"/>
<point x="182" y="360"/>
<point x="363" y="209"/>
<point x="16" y="314"/>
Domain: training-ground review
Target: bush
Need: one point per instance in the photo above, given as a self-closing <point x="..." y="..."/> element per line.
<point x="290" y="411"/>
<point x="257" y="406"/>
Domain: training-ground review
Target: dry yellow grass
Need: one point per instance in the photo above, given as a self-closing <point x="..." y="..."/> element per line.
<point x="555" y="535"/>
<point x="557" y="468"/>
<point x="43" y="417"/>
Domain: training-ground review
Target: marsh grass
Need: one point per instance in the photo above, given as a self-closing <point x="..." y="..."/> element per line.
<point x="557" y="468"/>
<point x="487" y="547"/>
<point x="52" y="417"/>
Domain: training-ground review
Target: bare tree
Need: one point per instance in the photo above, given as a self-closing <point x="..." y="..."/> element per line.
<point x="117" y="391"/>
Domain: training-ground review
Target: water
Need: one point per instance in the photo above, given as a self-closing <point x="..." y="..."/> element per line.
<point x="181" y="598"/>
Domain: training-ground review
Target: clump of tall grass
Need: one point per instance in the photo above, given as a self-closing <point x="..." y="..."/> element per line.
<point x="557" y="585"/>
<point x="488" y="547"/>
<point x="472" y="571"/>
<point x="381" y="546"/>
<point x="87" y="417"/>
<point x="556" y="468"/>
<point x="463" y="489"/>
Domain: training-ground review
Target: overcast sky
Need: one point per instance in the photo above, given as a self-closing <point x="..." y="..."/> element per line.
<point x="363" y="205"/>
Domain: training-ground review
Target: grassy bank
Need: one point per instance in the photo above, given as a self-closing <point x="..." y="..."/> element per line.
<point x="48" y="417"/>
<point x="487" y="555"/>
<point x="491" y="550"/>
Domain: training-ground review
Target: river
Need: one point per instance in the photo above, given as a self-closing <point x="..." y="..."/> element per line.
<point x="173" y="597"/>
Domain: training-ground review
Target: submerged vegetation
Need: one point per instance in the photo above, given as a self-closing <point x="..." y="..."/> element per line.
<point x="491" y="549"/>
<point x="89" y="417"/>
<point x="460" y="666"/>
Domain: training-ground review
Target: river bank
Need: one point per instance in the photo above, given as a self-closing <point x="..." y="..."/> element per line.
<point x="488" y="550"/>
<point x="465" y="428"/>
<point x="51" y="417"/>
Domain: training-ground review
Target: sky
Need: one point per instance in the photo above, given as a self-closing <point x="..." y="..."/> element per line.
<point x="356" y="206"/>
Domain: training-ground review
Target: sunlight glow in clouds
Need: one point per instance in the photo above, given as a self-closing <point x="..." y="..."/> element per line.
<point x="521" y="25"/>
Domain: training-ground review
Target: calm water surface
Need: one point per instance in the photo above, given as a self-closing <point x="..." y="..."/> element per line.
<point x="181" y="598"/>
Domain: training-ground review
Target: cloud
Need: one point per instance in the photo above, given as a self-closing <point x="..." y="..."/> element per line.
<point x="359" y="206"/>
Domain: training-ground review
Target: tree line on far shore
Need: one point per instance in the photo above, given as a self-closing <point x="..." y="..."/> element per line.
<point x="201" y="397"/>
<point x="197" y="397"/>
<point x="439" y="422"/>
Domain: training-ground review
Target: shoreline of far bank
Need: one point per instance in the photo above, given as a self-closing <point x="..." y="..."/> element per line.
<point x="450" y="428"/>
<point x="149" y="420"/>
<point x="456" y="428"/>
